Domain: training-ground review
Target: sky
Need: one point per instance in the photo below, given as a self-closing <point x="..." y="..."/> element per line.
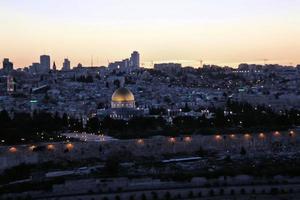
<point x="214" y="31"/>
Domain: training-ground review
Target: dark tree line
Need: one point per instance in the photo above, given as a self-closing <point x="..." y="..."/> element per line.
<point x="84" y="79"/>
<point x="237" y="117"/>
<point x="37" y="127"/>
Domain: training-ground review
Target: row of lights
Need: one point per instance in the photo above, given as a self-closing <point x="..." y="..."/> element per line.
<point x="260" y="135"/>
<point x="219" y="137"/>
<point x="50" y="147"/>
<point x="171" y="140"/>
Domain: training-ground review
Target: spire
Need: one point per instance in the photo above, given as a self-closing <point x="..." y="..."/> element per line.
<point x="54" y="66"/>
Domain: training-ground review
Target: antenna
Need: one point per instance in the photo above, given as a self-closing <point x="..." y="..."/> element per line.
<point x="91" y="61"/>
<point x="201" y="63"/>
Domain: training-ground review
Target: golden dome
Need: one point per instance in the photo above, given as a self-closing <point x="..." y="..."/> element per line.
<point x="122" y="95"/>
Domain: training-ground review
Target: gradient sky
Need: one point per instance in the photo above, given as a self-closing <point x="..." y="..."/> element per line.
<point x="218" y="32"/>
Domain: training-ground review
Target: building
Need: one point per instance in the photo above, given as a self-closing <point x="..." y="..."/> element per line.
<point x="34" y="68"/>
<point x="7" y="65"/>
<point x="11" y="86"/>
<point x="119" y="65"/>
<point x="126" y="65"/>
<point x="122" y="105"/>
<point x="122" y="98"/>
<point x="66" y="65"/>
<point x="44" y="63"/>
<point x="168" y="67"/>
<point x="135" y="60"/>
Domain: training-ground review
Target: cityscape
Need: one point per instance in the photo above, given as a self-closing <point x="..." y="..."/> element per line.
<point x="149" y="124"/>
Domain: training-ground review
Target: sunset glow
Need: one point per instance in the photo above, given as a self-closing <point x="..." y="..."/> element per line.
<point x="217" y="32"/>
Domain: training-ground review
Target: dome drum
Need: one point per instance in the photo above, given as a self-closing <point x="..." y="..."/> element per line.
<point x="122" y="98"/>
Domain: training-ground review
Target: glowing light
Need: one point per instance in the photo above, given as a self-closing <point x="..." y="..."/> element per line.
<point x="247" y="136"/>
<point x="140" y="141"/>
<point x="277" y="133"/>
<point x="32" y="147"/>
<point x="188" y="139"/>
<point x="232" y="136"/>
<point x="218" y="137"/>
<point x="261" y="136"/>
<point x="292" y="133"/>
<point x="69" y="146"/>
<point x="50" y="147"/>
<point x="102" y="137"/>
<point x="12" y="150"/>
<point x="172" y="139"/>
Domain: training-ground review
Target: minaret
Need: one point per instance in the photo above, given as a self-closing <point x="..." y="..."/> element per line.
<point x="54" y="66"/>
<point x="54" y="75"/>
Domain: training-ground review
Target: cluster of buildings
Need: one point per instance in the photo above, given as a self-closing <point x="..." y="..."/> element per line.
<point x="128" y="64"/>
<point x="84" y="92"/>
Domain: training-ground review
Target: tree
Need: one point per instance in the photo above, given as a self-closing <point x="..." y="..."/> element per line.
<point x="201" y="152"/>
<point x="243" y="191"/>
<point x="212" y="192"/>
<point x="154" y="195"/>
<point x="112" y="165"/>
<point x="221" y="191"/>
<point x="243" y="151"/>
<point x="117" y="83"/>
<point x="144" y="197"/>
<point x="191" y="194"/>
<point x="93" y="124"/>
<point x="167" y="195"/>
<point x="232" y="192"/>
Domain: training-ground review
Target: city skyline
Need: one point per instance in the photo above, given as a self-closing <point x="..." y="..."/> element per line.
<point x="217" y="33"/>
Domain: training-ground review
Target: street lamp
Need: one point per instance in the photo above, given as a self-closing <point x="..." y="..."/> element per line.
<point x="50" y="147"/>
<point x="261" y="136"/>
<point x="12" y="150"/>
<point x="32" y="147"/>
<point x="218" y="138"/>
<point x="69" y="146"/>
<point x="172" y="140"/>
<point x="277" y="133"/>
<point x="140" y="141"/>
<point x="188" y="139"/>
<point x="247" y="136"/>
<point x="232" y="136"/>
<point x="292" y="134"/>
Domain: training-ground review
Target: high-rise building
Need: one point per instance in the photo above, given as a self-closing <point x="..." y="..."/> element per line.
<point x="10" y="84"/>
<point x="44" y="63"/>
<point x="135" y="59"/>
<point x="66" y="65"/>
<point x="120" y="65"/>
<point x="7" y="65"/>
<point x="34" y="68"/>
